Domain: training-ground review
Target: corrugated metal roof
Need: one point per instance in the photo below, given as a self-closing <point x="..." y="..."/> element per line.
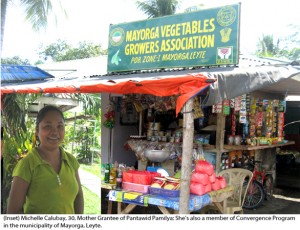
<point x="252" y="75"/>
<point x="77" y="68"/>
<point x="22" y="73"/>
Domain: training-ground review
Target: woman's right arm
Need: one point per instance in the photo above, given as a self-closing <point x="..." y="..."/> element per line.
<point x="17" y="196"/>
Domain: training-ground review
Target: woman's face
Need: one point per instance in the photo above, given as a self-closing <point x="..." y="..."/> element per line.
<point x="51" y="130"/>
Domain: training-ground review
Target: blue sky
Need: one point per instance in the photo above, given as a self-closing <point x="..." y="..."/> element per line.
<point x="89" y="20"/>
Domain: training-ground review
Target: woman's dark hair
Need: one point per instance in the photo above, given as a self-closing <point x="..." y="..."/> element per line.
<point x="42" y="113"/>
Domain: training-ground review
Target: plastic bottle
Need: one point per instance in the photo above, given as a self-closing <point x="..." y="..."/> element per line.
<point x="119" y="179"/>
<point x="107" y="173"/>
<point x="113" y="173"/>
<point x="102" y="172"/>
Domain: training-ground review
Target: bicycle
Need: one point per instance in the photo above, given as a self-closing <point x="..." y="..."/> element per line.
<point x="260" y="187"/>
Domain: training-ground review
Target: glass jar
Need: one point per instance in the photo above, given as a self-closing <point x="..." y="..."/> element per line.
<point x="237" y="139"/>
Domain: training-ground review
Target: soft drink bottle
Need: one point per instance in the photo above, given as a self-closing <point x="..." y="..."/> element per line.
<point x="119" y="179"/>
<point x="107" y="173"/>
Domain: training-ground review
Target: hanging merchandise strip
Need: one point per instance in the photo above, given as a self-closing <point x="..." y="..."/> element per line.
<point x="197" y="108"/>
<point x="259" y="118"/>
<point x="252" y="119"/>
<point x="226" y="107"/>
<point x="233" y="123"/>
<point x="276" y="118"/>
<point x="217" y="108"/>
<point x="243" y="110"/>
<point x="109" y="115"/>
<point x="280" y="126"/>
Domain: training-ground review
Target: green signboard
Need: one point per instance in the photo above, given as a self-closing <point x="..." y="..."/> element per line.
<point x="200" y="38"/>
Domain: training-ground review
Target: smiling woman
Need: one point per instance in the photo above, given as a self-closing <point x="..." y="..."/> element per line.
<point x="46" y="181"/>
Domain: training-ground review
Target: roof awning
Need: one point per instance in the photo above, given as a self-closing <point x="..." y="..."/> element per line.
<point x="168" y="84"/>
<point x="230" y="82"/>
<point x="267" y="81"/>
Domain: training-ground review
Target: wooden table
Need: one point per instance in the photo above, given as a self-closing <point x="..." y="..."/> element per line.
<point x="128" y="200"/>
<point x="108" y="187"/>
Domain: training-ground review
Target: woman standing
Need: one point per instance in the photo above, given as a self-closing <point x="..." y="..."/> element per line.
<point x="46" y="181"/>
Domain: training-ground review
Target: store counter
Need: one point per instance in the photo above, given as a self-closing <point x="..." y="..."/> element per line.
<point x="128" y="200"/>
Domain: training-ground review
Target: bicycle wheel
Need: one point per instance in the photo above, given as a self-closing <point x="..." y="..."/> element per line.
<point x="268" y="187"/>
<point x="255" y="195"/>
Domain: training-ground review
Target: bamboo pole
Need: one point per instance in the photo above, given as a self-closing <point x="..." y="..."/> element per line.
<point x="187" y="149"/>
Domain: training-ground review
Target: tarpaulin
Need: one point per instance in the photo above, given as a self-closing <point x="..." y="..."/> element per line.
<point x="185" y="86"/>
<point x="279" y="80"/>
<point x="230" y="82"/>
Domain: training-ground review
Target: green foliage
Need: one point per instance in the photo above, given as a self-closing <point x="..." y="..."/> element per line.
<point x="91" y="103"/>
<point x="92" y="202"/>
<point x="37" y="12"/>
<point x="61" y="51"/>
<point x="287" y="46"/>
<point x="266" y="46"/>
<point x="158" y="8"/>
<point x="14" y="148"/>
<point x="83" y="135"/>
<point x="291" y="44"/>
<point x="16" y="60"/>
<point x="55" y="50"/>
<point x="15" y="108"/>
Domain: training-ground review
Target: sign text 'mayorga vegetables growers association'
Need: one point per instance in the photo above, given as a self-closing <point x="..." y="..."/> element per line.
<point x="200" y="38"/>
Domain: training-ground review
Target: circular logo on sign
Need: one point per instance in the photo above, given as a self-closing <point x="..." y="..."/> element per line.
<point x="226" y="16"/>
<point x="116" y="36"/>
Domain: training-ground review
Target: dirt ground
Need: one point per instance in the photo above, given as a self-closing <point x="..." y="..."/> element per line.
<point x="285" y="201"/>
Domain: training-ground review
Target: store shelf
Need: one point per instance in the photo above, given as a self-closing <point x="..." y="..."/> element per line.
<point x="226" y="148"/>
<point x="249" y="147"/>
<point x="209" y="148"/>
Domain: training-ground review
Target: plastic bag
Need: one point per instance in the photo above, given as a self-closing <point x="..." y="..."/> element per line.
<point x="203" y="166"/>
<point x="201" y="178"/>
<point x="199" y="189"/>
<point x="212" y="178"/>
<point x="222" y="181"/>
<point x="216" y="185"/>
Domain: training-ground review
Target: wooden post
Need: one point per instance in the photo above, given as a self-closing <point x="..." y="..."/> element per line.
<point x="187" y="149"/>
<point x="140" y="123"/>
<point x="219" y="139"/>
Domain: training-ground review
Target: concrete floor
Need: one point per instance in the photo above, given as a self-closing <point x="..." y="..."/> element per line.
<point x="286" y="200"/>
